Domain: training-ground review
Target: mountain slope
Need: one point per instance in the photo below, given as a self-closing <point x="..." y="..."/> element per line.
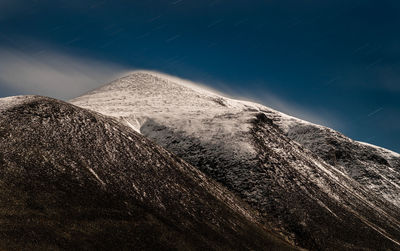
<point x="74" y="179"/>
<point x="263" y="156"/>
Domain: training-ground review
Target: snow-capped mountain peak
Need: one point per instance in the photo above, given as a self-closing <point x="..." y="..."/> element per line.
<point x="298" y="175"/>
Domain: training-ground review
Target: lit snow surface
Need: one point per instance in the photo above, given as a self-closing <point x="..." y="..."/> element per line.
<point x="179" y="104"/>
<point x="196" y="122"/>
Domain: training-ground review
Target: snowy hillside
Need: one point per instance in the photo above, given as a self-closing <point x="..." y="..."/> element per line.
<point x="312" y="183"/>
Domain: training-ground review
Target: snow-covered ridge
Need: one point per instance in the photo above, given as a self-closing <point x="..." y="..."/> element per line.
<point x="203" y="92"/>
<point x="285" y="121"/>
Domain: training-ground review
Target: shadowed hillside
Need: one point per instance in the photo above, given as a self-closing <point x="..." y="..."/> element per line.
<point x="73" y="179"/>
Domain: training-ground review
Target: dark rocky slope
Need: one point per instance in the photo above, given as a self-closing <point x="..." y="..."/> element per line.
<point x="76" y="180"/>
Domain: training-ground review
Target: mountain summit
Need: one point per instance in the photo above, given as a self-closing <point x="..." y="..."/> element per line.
<point x="313" y="184"/>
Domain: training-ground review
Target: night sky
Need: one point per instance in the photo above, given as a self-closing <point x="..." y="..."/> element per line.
<point x="336" y="63"/>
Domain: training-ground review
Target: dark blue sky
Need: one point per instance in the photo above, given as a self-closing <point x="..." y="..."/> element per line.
<point x="332" y="62"/>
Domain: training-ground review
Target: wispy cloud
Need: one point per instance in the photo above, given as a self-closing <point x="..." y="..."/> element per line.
<point x="53" y="73"/>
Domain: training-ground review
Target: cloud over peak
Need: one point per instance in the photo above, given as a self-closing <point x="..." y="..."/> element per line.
<point x="53" y="73"/>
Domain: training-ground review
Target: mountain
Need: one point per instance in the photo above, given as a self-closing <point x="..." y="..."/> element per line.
<point x="312" y="183"/>
<point x="73" y="179"/>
